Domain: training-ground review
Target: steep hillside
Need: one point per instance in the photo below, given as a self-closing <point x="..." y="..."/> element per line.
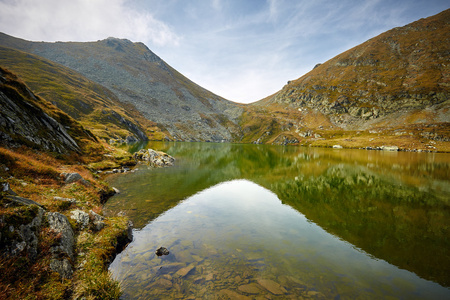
<point x="97" y="108"/>
<point x="140" y="78"/>
<point x="26" y="119"/>
<point x="397" y="81"/>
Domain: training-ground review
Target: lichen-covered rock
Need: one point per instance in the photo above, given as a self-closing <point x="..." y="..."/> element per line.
<point x="97" y="221"/>
<point x="62" y="266"/>
<point x="64" y="249"/>
<point x="30" y="232"/>
<point x="20" y="233"/>
<point x="80" y="217"/>
<point x="74" y="177"/>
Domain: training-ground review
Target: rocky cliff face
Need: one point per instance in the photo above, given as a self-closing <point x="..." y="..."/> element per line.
<point x="139" y="77"/>
<point x="93" y="105"/>
<point x="396" y="74"/>
<point x="24" y="121"/>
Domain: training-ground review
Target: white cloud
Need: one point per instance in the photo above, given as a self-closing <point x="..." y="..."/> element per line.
<point x="81" y="20"/>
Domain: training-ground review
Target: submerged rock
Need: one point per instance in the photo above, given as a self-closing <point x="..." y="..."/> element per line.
<point x="272" y="286"/>
<point x="184" y="271"/>
<point x="162" y="251"/>
<point x="251" y="288"/>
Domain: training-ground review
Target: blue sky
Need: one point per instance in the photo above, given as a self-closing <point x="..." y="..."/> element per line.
<point x="243" y="50"/>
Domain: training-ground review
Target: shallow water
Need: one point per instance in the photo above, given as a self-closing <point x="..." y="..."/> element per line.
<point x="286" y="222"/>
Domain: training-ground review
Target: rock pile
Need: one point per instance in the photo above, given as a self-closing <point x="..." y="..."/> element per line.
<point x="154" y="158"/>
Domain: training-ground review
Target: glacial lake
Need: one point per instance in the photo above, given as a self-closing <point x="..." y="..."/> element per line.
<point x="285" y="222"/>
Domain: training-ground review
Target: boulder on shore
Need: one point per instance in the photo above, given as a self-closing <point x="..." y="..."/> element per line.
<point x="154" y="158"/>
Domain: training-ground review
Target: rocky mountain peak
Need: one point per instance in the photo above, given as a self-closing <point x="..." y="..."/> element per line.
<point x="404" y="68"/>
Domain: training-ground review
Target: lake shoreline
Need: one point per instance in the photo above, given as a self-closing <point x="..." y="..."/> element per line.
<point x="385" y="190"/>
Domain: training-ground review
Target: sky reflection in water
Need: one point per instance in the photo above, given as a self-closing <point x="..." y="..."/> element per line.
<point x="238" y="227"/>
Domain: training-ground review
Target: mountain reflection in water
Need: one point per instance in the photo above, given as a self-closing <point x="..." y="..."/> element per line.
<point x="393" y="206"/>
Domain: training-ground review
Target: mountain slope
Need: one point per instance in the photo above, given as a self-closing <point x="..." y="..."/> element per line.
<point x="93" y="105"/>
<point x="26" y="119"/>
<point x="398" y="79"/>
<point x="140" y="78"/>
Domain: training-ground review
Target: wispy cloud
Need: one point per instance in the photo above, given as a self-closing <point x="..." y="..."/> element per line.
<point x="81" y="20"/>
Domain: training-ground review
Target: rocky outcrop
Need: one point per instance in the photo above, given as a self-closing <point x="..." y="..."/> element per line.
<point x="23" y="121"/>
<point x="63" y="252"/>
<point x="19" y="235"/>
<point x="89" y="220"/>
<point x="154" y="158"/>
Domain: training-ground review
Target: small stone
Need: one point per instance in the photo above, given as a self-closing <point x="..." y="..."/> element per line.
<point x="71" y="200"/>
<point x="162" y="251"/>
<point x="6" y="188"/>
<point x="97" y="220"/>
<point x="389" y="148"/>
<point x="71" y="177"/>
<point x="80" y="217"/>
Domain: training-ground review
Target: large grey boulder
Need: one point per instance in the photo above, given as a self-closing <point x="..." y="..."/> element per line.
<point x="30" y="232"/>
<point x="64" y="249"/>
<point x="24" y="237"/>
<point x="74" y="177"/>
<point x="60" y="223"/>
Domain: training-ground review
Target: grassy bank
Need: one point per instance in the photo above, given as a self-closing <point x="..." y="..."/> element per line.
<point x="37" y="176"/>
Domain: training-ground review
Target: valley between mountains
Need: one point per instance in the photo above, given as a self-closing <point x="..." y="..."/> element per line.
<point x="65" y="106"/>
<point x="392" y="89"/>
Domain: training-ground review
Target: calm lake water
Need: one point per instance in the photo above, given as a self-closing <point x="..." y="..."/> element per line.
<point x="275" y="222"/>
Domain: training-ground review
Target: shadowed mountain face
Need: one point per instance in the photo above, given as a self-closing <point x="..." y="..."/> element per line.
<point x="140" y="78"/>
<point x="94" y="106"/>
<point x="26" y="119"/>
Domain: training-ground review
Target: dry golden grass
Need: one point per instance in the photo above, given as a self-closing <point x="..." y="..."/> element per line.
<point x="36" y="176"/>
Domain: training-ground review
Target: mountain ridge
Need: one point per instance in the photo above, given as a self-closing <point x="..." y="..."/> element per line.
<point x="392" y="89"/>
<point x="139" y="77"/>
<point x="393" y="85"/>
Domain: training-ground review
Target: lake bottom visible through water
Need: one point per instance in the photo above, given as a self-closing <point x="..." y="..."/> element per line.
<point x="236" y="240"/>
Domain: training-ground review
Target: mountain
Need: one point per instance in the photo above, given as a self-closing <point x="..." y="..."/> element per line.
<point x="391" y="90"/>
<point x="97" y="108"/>
<point x="395" y="84"/>
<point x="27" y="119"/>
<point x="141" y="79"/>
